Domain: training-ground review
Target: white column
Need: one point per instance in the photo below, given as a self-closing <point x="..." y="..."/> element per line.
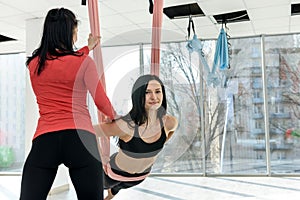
<point x="34" y="28"/>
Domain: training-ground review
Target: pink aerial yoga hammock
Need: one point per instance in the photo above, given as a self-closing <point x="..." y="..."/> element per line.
<point x="97" y="54"/>
<point x="156" y="35"/>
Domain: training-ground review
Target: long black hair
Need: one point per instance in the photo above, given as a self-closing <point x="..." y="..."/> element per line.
<point x="138" y="114"/>
<point x="57" y="39"/>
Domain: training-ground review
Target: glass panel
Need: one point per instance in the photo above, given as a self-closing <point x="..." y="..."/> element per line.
<point x="234" y="122"/>
<point x="181" y="77"/>
<point x="283" y="72"/>
<point x="233" y="110"/>
<point x="12" y="112"/>
<point x="121" y="68"/>
<point x="233" y="131"/>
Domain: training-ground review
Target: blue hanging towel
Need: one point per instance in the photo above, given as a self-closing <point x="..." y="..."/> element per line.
<point x="195" y="45"/>
<point x="221" y="55"/>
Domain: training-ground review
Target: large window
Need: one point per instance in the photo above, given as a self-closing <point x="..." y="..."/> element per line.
<point x="283" y="72"/>
<point x="12" y="112"/>
<point x="181" y="75"/>
<point x="230" y="122"/>
<point x="222" y="127"/>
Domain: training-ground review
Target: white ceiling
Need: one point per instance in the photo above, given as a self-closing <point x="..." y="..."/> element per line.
<point x="129" y="21"/>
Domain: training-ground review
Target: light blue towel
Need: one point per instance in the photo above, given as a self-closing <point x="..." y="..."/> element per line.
<point x="221" y="54"/>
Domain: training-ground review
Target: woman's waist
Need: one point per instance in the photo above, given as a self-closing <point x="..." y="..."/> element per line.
<point x="57" y="115"/>
<point x="46" y="125"/>
<point x="133" y="165"/>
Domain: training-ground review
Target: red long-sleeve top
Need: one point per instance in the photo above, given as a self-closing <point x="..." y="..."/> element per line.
<point x="61" y="93"/>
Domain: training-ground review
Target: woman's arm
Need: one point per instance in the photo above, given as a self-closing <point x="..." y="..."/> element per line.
<point x="115" y="128"/>
<point x="171" y="125"/>
<point x="93" y="84"/>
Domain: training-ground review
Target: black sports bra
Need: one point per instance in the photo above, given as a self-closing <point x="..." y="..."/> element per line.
<point x="138" y="148"/>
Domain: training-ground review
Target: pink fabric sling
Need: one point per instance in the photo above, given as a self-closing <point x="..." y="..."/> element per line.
<point x="118" y="177"/>
<point x="97" y="54"/>
<point x="156" y="35"/>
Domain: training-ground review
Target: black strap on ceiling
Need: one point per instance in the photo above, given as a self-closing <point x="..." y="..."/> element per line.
<point x="191" y="22"/>
<point x="83" y="2"/>
<point x="150" y="6"/>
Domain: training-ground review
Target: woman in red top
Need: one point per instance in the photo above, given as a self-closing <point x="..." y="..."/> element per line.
<point x="60" y="78"/>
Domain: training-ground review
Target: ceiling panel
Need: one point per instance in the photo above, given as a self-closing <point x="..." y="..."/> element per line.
<point x="26" y="6"/>
<point x="8" y="11"/>
<point x="173" y="24"/>
<point x="140" y="35"/>
<point x="129" y="21"/>
<point x="61" y="3"/>
<point x="169" y="3"/>
<point x="115" y="40"/>
<point x="202" y="21"/>
<point x="269" y="23"/>
<point x="145" y="26"/>
<point x="269" y="12"/>
<point x="16" y="21"/>
<point x="240" y="29"/>
<point x="209" y="32"/>
<point x="125" y="6"/>
<point x="5" y="27"/>
<point x="273" y="30"/>
<point x="123" y="29"/>
<point x="170" y="35"/>
<point x="17" y="34"/>
<point x="104" y="10"/>
<point x="295" y="20"/>
<point x="112" y="21"/>
<point x="139" y="17"/>
<point x="265" y="3"/>
<point x="214" y="7"/>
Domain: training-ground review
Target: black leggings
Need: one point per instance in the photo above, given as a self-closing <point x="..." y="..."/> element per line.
<point x="77" y="150"/>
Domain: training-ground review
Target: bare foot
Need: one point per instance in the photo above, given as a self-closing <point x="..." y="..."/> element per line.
<point x="109" y="195"/>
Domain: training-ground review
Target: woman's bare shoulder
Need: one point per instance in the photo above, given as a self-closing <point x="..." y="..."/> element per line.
<point x="171" y="123"/>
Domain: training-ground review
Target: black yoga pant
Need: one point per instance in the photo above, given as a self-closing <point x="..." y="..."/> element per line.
<point x="77" y="150"/>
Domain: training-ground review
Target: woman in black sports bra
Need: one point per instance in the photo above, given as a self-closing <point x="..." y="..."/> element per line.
<point x="142" y="134"/>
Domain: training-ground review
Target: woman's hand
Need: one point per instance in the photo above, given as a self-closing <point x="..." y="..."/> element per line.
<point x="93" y="41"/>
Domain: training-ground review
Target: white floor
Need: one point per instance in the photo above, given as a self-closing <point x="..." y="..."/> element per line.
<point x="186" y="188"/>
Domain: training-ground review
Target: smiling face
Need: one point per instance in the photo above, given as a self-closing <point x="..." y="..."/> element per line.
<point x="154" y="95"/>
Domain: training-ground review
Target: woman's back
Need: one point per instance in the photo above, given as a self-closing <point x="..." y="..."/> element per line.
<point x="61" y="92"/>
